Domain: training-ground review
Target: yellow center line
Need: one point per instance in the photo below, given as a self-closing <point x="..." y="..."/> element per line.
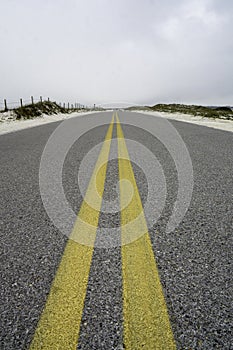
<point x="146" y="321"/>
<point x="59" y="325"/>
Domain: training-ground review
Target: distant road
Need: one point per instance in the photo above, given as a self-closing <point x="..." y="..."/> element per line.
<point x="160" y="290"/>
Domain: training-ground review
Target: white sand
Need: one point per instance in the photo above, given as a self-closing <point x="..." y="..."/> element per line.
<point x="9" y="124"/>
<point x="221" y="124"/>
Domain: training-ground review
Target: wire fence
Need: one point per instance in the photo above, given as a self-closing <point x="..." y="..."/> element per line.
<point x="7" y="105"/>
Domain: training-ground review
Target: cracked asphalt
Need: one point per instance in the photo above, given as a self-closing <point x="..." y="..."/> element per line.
<point x="194" y="261"/>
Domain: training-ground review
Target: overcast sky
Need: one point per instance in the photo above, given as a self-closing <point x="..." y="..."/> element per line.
<point x="106" y="51"/>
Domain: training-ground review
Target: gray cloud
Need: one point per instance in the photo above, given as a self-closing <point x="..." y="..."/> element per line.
<point x="142" y="51"/>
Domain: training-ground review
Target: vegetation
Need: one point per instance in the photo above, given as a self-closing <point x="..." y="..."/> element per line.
<point x="38" y="109"/>
<point x="201" y="111"/>
<point x="207" y="112"/>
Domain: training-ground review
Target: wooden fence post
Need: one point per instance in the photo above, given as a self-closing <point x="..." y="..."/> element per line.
<point x="21" y="102"/>
<point x="5" y="104"/>
<point x="32" y="100"/>
<point x="41" y="99"/>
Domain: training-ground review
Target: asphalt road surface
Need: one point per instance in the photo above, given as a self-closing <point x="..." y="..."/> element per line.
<point x="117" y="282"/>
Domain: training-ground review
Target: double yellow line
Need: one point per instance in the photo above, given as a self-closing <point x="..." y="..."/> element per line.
<point x="146" y="320"/>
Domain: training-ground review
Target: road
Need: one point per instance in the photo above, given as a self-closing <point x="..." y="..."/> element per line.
<point x="111" y="285"/>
